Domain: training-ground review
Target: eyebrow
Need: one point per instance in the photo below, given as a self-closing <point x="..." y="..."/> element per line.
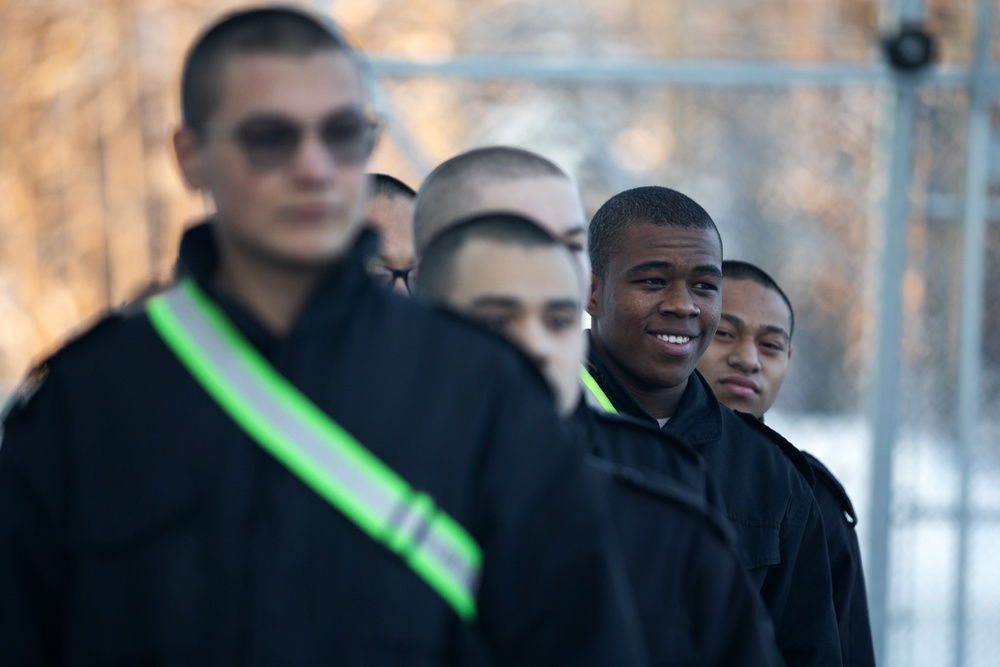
<point x="767" y="328"/>
<point x="495" y="301"/>
<point x="709" y="269"/>
<point x="564" y="304"/>
<point x="499" y="301"/>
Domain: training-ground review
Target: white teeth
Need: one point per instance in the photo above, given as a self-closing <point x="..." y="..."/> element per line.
<point x="674" y="339"/>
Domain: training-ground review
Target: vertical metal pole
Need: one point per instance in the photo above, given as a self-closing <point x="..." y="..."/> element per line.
<point x="973" y="291"/>
<point x="898" y="146"/>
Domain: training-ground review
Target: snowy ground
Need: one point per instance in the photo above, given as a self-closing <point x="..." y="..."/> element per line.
<point x="924" y="544"/>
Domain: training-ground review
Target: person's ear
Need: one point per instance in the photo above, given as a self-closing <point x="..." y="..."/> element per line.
<point x="187" y="147"/>
<point x="791" y="348"/>
<point x="594" y="302"/>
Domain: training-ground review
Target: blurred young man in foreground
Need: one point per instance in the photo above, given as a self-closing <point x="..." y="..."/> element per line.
<point x="279" y="462"/>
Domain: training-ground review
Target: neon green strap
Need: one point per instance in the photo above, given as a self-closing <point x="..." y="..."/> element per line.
<point x="596" y="397"/>
<point x="327" y="458"/>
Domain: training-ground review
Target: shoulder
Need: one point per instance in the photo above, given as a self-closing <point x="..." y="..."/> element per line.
<point x="460" y="345"/>
<point x="66" y="361"/>
<point x="626" y="427"/>
<point x="630" y="442"/>
<point x="674" y="504"/>
<point x="83" y="355"/>
<point x="828" y="484"/>
<point x="789" y="451"/>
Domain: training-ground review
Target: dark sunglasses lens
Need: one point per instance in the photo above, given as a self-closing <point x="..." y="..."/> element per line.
<point x="382" y="275"/>
<point x="350" y="140"/>
<point x="269" y="142"/>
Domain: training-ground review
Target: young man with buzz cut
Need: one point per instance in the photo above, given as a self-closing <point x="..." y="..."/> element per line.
<point x="655" y="301"/>
<point x="501" y="178"/>
<point x="279" y="462"/>
<point x="696" y="605"/>
<point x="746" y="366"/>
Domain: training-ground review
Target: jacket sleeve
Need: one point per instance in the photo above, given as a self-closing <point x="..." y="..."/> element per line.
<point x="32" y="540"/>
<point x="849" y="597"/>
<point x="554" y="590"/>
<point x="799" y="593"/>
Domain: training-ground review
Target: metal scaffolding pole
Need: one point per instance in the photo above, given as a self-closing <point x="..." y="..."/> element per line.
<point x="897" y="140"/>
<point x="973" y="293"/>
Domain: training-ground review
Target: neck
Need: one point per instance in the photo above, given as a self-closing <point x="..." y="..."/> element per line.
<point x="659" y="402"/>
<point x="273" y="293"/>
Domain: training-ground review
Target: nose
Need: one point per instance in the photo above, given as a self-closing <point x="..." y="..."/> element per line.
<point x="532" y="337"/>
<point x="313" y="162"/>
<point x="677" y="301"/>
<point x="744" y="357"/>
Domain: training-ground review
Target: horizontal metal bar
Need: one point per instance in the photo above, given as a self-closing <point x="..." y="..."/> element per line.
<point x="916" y="513"/>
<point x="684" y="72"/>
<point x="950" y="208"/>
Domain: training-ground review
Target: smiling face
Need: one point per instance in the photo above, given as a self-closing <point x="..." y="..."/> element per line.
<point x="656" y="309"/>
<point x="748" y="358"/>
<point x="305" y="212"/>
<point x="530" y="296"/>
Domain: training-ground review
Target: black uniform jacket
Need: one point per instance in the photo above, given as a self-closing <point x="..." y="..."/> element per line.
<point x="849" y="597"/>
<point x="140" y="526"/>
<point x="767" y="500"/>
<point x="695" y="601"/>
<point x="631" y="443"/>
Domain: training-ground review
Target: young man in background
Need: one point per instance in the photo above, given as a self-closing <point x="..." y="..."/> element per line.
<point x="746" y="366"/>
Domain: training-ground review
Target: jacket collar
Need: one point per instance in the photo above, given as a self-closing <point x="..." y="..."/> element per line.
<point x="698" y="418"/>
<point x="332" y="302"/>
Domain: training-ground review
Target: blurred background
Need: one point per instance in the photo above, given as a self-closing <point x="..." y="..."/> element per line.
<point x="870" y="191"/>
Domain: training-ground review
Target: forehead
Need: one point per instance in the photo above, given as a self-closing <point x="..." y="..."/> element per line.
<point x="307" y="87"/>
<point x="682" y="247"/>
<point x="551" y="201"/>
<point x="754" y="303"/>
<point x="530" y="276"/>
<point x="391" y="213"/>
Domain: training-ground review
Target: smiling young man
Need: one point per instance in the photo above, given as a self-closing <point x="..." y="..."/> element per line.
<point x="746" y="366"/>
<point x="696" y="606"/>
<point x="655" y="305"/>
<point x="279" y="462"/>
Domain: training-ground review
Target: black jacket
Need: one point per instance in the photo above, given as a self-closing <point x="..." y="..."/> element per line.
<point x="849" y="597"/>
<point x="630" y="443"/>
<point x="765" y="487"/>
<point x="697" y="607"/>
<point x="140" y="526"/>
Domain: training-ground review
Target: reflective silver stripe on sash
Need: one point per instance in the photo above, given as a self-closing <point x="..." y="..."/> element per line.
<point x="404" y="513"/>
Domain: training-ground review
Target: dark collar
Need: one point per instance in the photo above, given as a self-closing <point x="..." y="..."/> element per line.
<point x="698" y="418"/>
<point x="332" y="301"/>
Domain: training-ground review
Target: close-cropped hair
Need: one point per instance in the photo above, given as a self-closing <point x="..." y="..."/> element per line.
<point x="735" y="269"/>
<point x="455" y="180"/>
<point x="651" y="205"/>
<point x="384" y="185"/>
<point x="276" y="30"/>
<point x="437" y="268"/>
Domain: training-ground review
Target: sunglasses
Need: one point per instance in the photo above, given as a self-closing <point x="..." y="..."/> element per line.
<point x="270" y="142"/>
<point x="387" y="276"/>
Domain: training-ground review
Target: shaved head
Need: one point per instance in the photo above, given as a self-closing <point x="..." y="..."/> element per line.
<point x="454" y="190"/>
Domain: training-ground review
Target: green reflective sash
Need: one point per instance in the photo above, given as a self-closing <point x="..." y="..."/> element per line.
<point x="595" y="396"/>
<point x="315" y="448"/>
